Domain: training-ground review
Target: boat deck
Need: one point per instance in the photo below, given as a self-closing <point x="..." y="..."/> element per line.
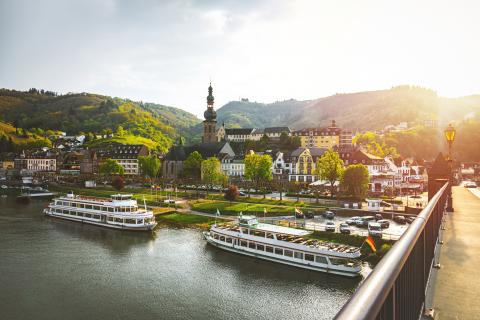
<point x="312" y="243"/>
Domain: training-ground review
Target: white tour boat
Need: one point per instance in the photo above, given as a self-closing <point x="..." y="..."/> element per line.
<point x="118" y="212"/>
<point x="285" y="245"/>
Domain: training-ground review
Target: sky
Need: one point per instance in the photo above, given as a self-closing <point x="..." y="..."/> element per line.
<point x="265" y="50"/>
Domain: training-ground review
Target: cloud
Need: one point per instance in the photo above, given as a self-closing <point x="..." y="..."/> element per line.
<point x="166" y="51"/>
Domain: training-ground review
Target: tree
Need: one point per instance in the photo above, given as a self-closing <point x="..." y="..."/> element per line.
<point x="232" y="193"/>
<point x="330" y="168"/>
<point x="120" y="131"/>
<point x="375" y="144"/>
<point x="149" y="165"/>
<point x="212" y="172"/>
<point x="192" y="165"/>
<point x="355" y="180"/>
<point x="110" y="166"/>
<point x="118" y="183"/>
<point x="258" y="168"/>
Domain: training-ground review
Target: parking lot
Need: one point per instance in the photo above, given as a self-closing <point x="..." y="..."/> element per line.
<point x="393" y="232"/>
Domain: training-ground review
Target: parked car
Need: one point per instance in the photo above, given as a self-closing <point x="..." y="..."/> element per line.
<point x="409" y="219"/>
<point x="329" y="214"/>
<point x="352" y="220"/>
<point x="470" y="185"/>
<point x="241" y="193"/>
<point x="385" y="224"/>
<point x="378" y="216"/>
<point x="345" y="228"/>
<point x="309" y="215"/>
<point x="374" y="229"/>
<point x="330" y="226"/>
<point x="363" y="221"/>
<point x="399" y="219"/>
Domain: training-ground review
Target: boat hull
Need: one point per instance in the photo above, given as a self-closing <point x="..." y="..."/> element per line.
<point x="239" y="250"/>
<point x="102" y="224"/>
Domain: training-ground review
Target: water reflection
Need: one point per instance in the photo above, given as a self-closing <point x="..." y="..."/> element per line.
<point x="56" y="269"/>
<point x="250" y="267"/>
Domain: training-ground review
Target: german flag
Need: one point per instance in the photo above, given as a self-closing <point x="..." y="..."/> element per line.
<point x="371" y="243"/>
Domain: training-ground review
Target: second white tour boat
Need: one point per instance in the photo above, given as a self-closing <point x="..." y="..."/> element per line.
<point x="118" y="212"/>
<point x="285" y="245"/>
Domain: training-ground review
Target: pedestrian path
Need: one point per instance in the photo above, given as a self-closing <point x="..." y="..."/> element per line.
<point x="455" y="287"/>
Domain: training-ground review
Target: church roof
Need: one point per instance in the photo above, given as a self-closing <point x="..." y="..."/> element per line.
<point x="238" y="131"/>
<point x="207" y="150"/>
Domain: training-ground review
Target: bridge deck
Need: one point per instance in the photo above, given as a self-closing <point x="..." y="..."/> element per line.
<point x="455" y="288"/>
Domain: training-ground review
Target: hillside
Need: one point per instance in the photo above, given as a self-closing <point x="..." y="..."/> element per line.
<point x="12" y="139"/>
<point x="91" y="113"/>
<point x="371" y="110"/>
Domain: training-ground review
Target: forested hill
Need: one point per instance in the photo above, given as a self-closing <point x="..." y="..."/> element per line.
<point x="38" y="110"/>
<point x="372" y="110"/>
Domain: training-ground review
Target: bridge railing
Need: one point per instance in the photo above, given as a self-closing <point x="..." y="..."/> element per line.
<point x="396" y="288"/>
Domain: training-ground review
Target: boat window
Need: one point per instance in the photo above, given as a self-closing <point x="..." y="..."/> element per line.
<point x="96" y="207"/>
<point x="110" y="219"/>
<point x="337" y="261"/>
<point x="321" y="259"/>
<point x="260" y="247"/>
<point x="131" y="221"/>
<point x="222" y="238"/>
<point x="88" y="206"/>
<point x="270" y="236"/>
<point x="288" y="253"/>
<point x="118" y="220"/>
<point x="88" y="215"/>
<point x="215" y="236"/>
<point x="81" y="205"/>
<point x="139" y="221"/>
<point x="110" y="209"/>
<point x="229" y="240"/>
<point x="309" y="257"/>
<point x="243" y="243"/>
<point x="279" y="251"/>
<point x="251" y="245"/>
<point x="80" y="214"/>
<point x="259" y="234"/>
<point x="269" y="249"/>
<point x="298" y="255"/>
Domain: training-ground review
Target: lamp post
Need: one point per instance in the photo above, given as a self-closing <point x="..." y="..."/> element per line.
<point x="450" y="137"/>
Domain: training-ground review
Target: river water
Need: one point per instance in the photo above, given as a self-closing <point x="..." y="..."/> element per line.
<point x="55" y="269"/>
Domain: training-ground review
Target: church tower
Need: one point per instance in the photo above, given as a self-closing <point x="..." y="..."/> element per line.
<point x="210" y="123"/>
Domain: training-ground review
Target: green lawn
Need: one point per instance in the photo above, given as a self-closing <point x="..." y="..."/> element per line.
<point x="234" y="208"/>
<point x="186" y="220"/>
<point x="261" y="201"/>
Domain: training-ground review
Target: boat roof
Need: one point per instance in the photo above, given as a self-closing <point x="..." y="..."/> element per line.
<point x="280" y="229"/>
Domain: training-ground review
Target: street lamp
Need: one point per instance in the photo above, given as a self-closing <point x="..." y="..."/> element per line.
<point x="450" y="137"/>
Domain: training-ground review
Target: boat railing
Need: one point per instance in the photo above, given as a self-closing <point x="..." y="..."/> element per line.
<point x="396" y="288"/>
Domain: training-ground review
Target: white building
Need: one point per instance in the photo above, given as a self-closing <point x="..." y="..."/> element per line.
<point x="42" y="164"/>
<point x="233" y="166"/>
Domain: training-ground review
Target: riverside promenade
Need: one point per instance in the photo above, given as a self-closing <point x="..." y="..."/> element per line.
<point x="455" y="287"/>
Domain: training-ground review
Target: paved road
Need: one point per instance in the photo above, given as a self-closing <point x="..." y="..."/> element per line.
<point x="456" y="286"/>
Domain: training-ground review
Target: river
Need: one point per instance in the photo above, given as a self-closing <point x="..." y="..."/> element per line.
<point x="54" y="269"/>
